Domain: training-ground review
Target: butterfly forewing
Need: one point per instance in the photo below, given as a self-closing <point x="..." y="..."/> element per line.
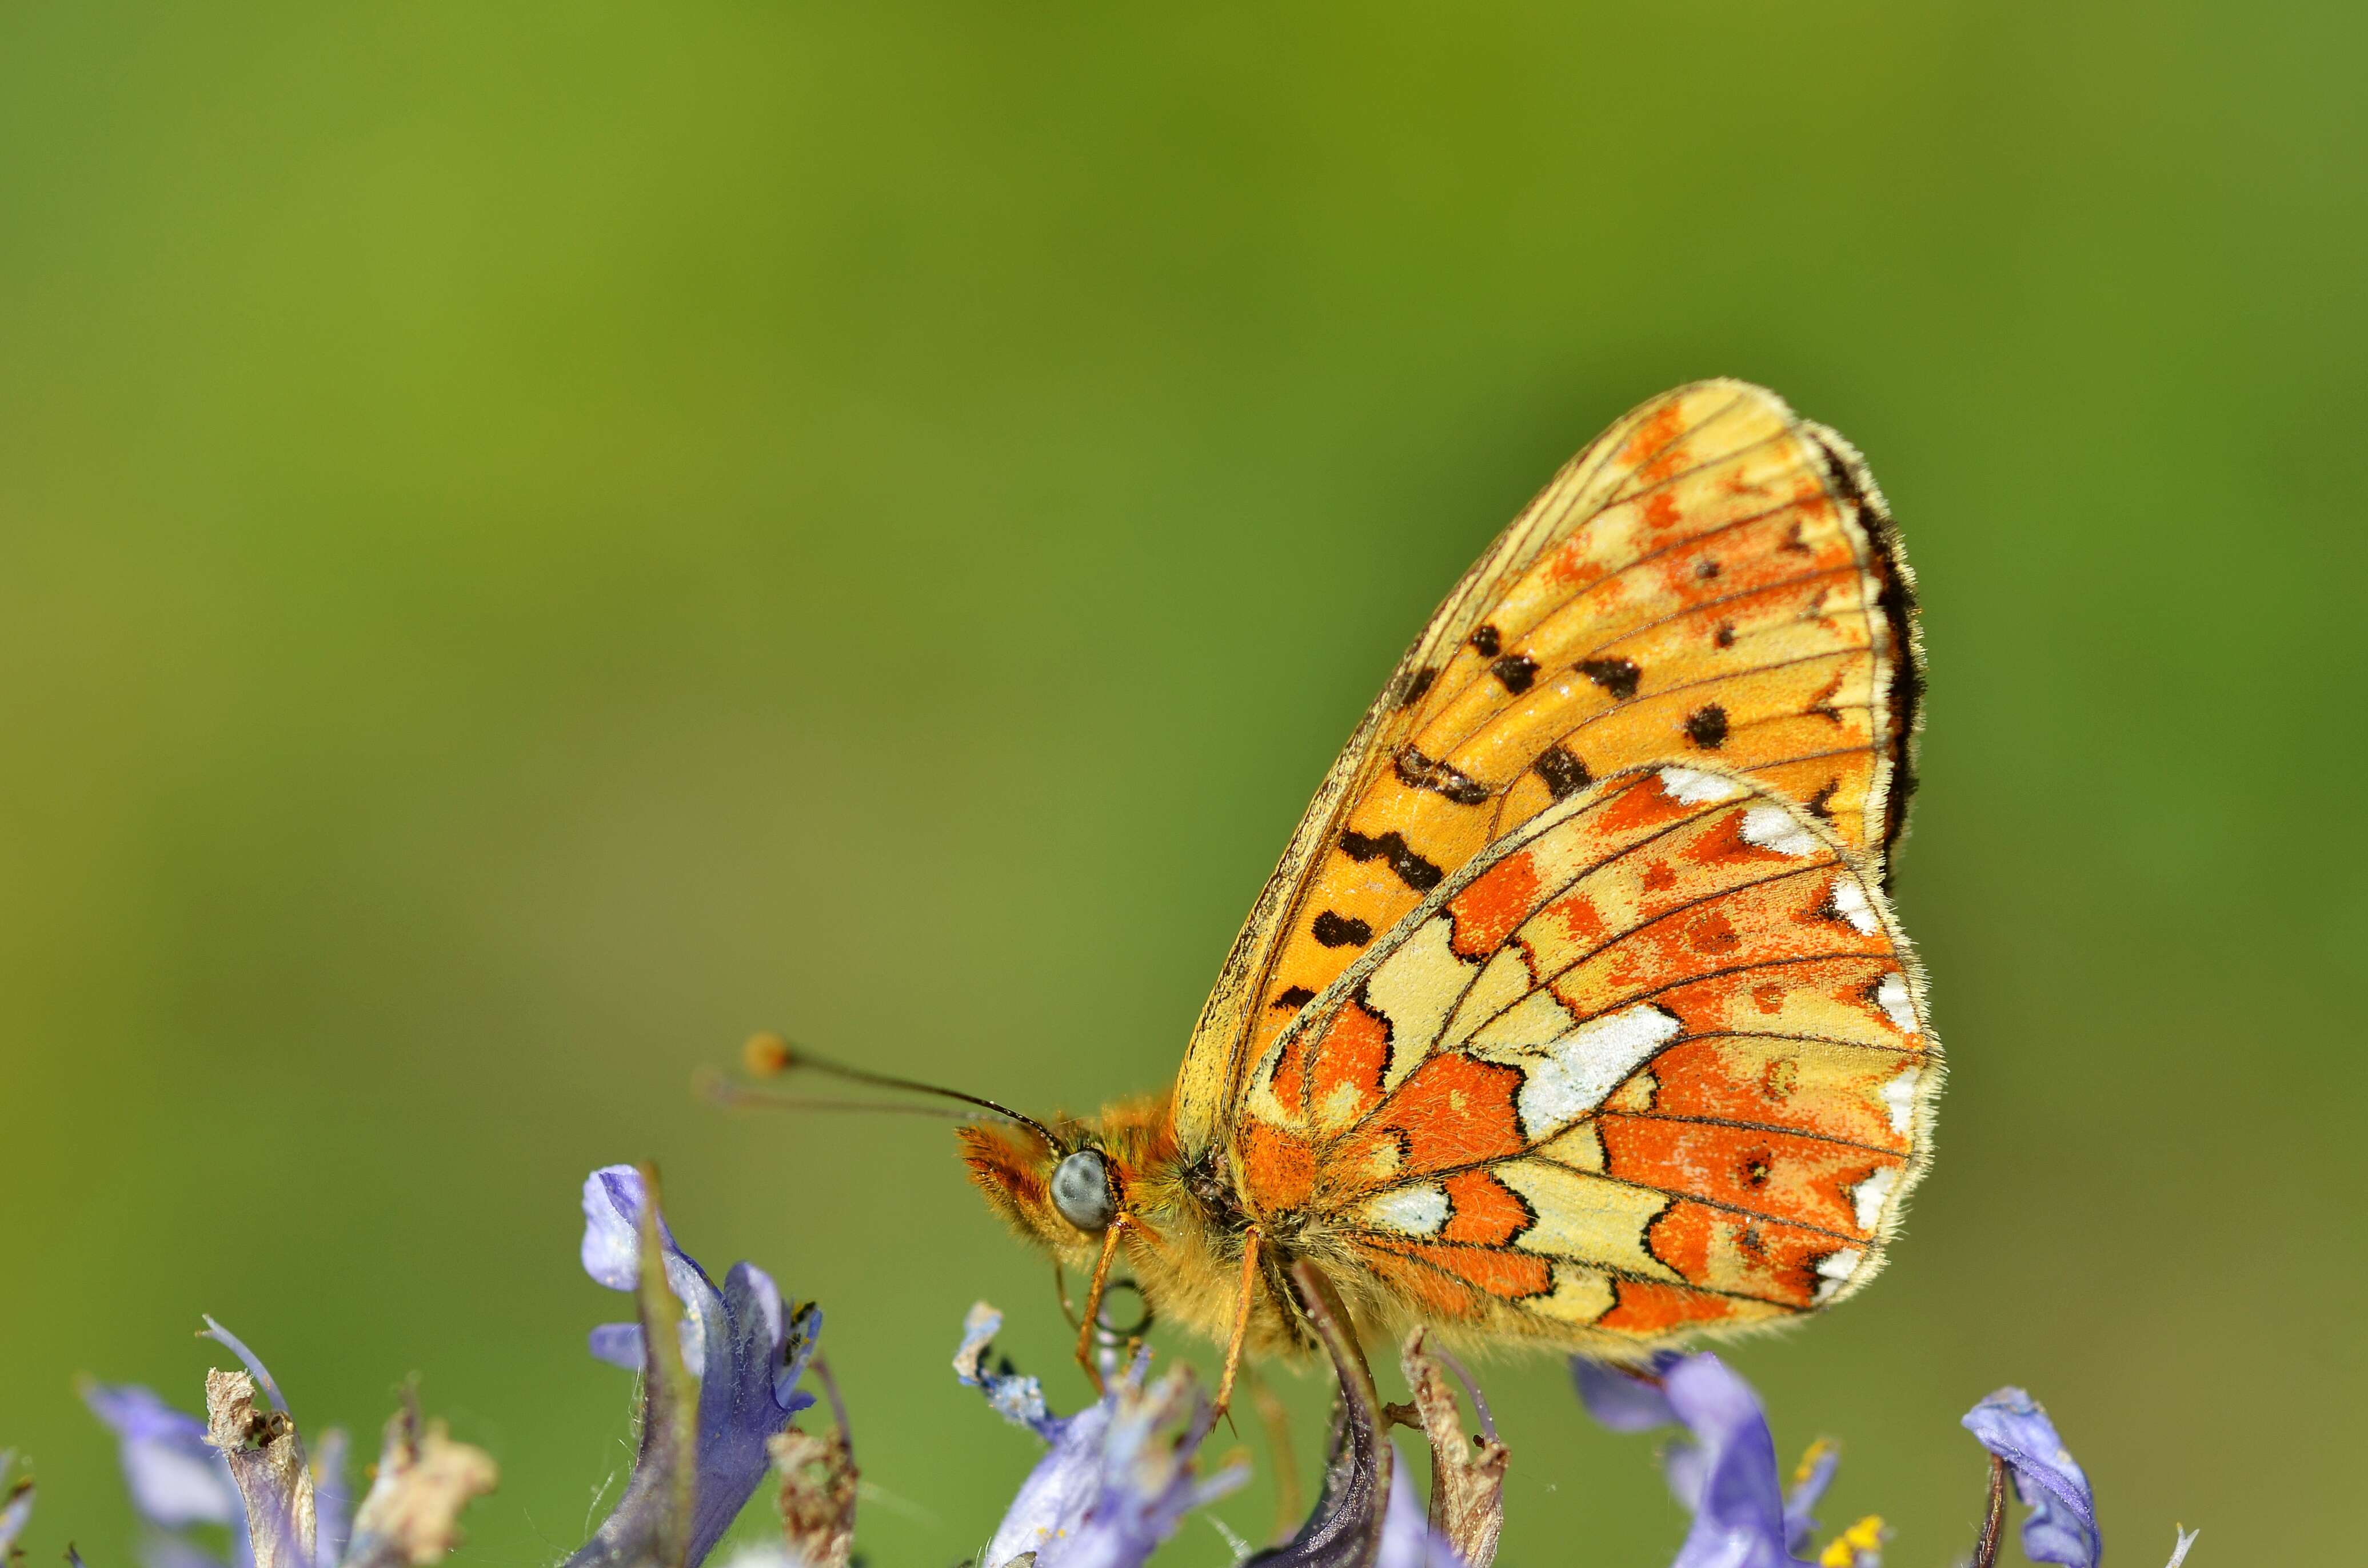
<point x="1714" y="580"/>
<point x="1653" y="1061"/>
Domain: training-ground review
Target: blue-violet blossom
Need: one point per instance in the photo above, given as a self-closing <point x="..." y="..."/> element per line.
<point x="744" y="1353"/>
<point x="1120" y="1474"/>
<point x="1726" y="1474"/>
<point x="16" y="1503"/>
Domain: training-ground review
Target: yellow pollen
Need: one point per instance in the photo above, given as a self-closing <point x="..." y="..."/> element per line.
<point x="1862" y="1539"/>
<point x="1808" y="1465"/>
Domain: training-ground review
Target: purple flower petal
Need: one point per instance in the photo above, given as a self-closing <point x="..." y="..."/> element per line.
<point x="1739" y="1505"/>
<point x="175" y="1478"/>
<point x="1801" y="1499"/>
<point x="254" y="1364"/>
<point x="2063" y="1523"/>
<point x="620" y="1345"/>
<point x="1408" y="1539"/>
<point x="1016" y="1398"/>
<point x="612" y="1210"/>
<point x="744" y="1352"/>
<point x="16" y="1504"/>
<point x="1119" y="1476"/>
<point x="333" y="1499"/>
<point x="1622" y="1400"/>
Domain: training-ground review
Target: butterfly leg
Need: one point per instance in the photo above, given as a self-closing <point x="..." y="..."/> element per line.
<point x="1243" y="1297"/>
<point x="1093" y="1302"/>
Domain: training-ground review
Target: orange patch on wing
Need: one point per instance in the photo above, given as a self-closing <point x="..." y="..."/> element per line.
<point x="1643" y="804"/>
<point x="1451" y="1111"/>
<point x="1510" y="1275"/>
<point x="1760" y="1258"/>
<point x="1578" y="917"/>
<point x="1440" y="1298"/>
<point x="1493" y="907"/>
<point x="1345" y="1079"/>
<point x="1484" y="1211"/>
<point x="1661" y="511"/>
<point x="1277" y="1169"/>
<point x="1667" y="422"/>
<point x="1573" y="562"/>
<point x="1767" y="1084"/>
<point x="1782" y="1175"/>
<point x="1640" y="1306"/>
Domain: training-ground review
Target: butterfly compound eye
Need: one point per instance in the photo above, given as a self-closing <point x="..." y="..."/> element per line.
<point x="1081" y="1191"/>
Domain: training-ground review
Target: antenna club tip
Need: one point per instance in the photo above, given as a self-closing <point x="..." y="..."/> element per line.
<point x="768" y="1055"/>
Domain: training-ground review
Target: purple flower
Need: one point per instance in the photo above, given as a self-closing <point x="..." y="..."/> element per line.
<point x="16" y="1504"/>
<point x="176" y="1478"/>
<point x="179" y="1476"/>
<point x="744" y="1354"/>
<point x="1726" y="1472"/>
<point x="1622" y="1400"/>
<point x="2063" y="1523"/>
<point x="1120" y="1476"/>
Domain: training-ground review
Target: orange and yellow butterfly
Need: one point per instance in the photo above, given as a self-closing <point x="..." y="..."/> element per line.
<point x="1576" y="1012"/>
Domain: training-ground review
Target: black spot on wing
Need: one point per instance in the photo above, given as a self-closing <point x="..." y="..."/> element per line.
<point x="1392" y="849"/>
<point x="1706" y="726"/>
<point x="1821" y="805"/>
<point x="1292" y="999"/>
<point x="1564" y="774"/>
<point x="1487" y="642"/>
<point x="1618" y="676"/>
<point x="1514" y="672"/>
<point x="1724" y="637"/>
<point x="1418" y="682"/>
<point x="1335" y="931"/>
<point x="1416" y="771"/>
<point x="1705" y="569"/>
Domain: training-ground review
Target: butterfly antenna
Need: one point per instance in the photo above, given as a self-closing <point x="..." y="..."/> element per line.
<point x="710" y="1084"/>
<point x="770" y="1055"/>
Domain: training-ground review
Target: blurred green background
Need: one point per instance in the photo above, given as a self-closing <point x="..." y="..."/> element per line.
<point x="537" y="539"/>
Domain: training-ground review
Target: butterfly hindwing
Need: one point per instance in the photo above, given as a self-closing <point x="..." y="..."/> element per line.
<point x="1712" y="581"/>
<point x="1655" y="1060"/>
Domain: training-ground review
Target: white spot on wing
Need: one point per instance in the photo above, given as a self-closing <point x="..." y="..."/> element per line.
<point x="1891" y="996"/>
<point x="1772" y="827"/>
<point x="1851" y="901"/>
<point x="1899" y="1098"/>
<point x="1692" y="787"/>
<point x="1834" y="1273"/>
<point x="1867" y="1196"/>
<point x="1569" y="1077"/>
<point x="1410" y="1210"/>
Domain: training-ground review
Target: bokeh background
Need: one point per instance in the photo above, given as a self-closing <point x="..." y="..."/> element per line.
<point x="536" y="538"/>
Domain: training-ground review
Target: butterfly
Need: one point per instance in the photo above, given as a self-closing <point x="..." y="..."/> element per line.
<point x="1576" y="1013"/>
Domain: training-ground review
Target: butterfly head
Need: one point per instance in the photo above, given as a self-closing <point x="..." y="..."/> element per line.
<point x="1061" y="1191"/>
<point x="1064" y="1186"/>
